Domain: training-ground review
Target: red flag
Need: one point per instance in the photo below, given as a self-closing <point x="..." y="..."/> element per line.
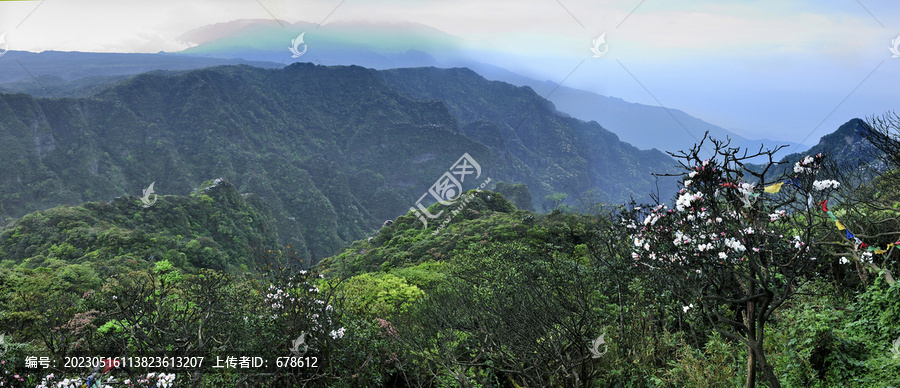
<point x="824" y="203"/>
<point x="109" y="363"/>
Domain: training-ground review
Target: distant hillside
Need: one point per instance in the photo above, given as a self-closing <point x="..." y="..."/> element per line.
<point x="334" y="151"/>
<point x="24" y="66"/>
<point x="57" y="87"/>
<point x="846" y="145"/>
<point x="214" y="228"/>
<point x="518" y="119"/>
<point x="643" y="126"/>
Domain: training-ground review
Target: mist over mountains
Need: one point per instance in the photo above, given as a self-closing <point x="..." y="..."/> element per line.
<point x="263" y="43"/>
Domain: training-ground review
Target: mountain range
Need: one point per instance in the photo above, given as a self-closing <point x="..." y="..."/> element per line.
<point x="384" y="46"/>
<point x="264" y="43"/>
<point x="333" y="150"/>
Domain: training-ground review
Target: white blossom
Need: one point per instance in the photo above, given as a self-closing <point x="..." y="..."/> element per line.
<point x="684" y="201"/>
<point x="866" y="257"/>
<point x="735" y="244"/>
<point x="651" y="219"/>
<point x="776" y="215"/>
<point x="822" y="185"/>
<point x="339" y="333"/>
<point x="681" y="238"/>
<point x="801" y="166"/>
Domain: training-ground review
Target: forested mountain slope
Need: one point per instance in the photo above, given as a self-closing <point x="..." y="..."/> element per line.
<point x="333" y="150"/>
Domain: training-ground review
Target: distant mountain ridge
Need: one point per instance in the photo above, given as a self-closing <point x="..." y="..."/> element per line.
<point x="264" y="43"/>
<point x="333" y="151"/>
<point x="846" y="145"/>
<point x="643" y="126"/>
<point x="20" y="66"/>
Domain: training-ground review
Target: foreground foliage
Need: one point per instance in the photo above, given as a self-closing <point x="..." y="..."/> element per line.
<point x="500" y="297"/>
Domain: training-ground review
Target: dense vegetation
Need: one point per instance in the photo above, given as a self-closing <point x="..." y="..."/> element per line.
<point x="499" y="297"/>
<point x="751" y="278"/>
<point x="215" y="228"/>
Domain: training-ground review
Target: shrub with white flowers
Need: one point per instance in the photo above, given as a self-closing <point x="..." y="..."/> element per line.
<point x="727" y="246"/>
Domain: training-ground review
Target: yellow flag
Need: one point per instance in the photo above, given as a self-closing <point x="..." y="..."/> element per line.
<point x="774" y="188"/>
<point x="839" y="225"/>
<point x="879" y="251"/>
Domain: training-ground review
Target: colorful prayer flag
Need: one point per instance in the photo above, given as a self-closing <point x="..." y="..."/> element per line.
<point x="774" y="188"/>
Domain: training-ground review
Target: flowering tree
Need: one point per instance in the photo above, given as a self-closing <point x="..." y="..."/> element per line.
<point x="735" y="248"/>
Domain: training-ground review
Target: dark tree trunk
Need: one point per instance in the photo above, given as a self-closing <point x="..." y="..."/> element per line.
<point x="766" y="368"/>
<point x="749" y="321"/>
<point x="756" y="356"/>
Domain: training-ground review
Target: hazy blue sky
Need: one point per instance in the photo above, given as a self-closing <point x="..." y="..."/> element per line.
<point x="776" y="68"/>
